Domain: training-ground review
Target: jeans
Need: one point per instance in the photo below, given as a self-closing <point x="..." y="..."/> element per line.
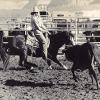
<point x="43" y="39"/>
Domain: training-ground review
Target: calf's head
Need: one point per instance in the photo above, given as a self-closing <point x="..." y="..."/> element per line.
<point x="68" y="53"/>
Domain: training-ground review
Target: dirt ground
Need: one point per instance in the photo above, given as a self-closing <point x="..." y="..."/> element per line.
<point x="17" y="83"/>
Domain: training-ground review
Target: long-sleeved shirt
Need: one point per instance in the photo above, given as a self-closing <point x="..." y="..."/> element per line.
<point x="37" y="24"/>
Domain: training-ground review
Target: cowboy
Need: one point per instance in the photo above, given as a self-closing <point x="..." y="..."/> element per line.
<point x="40" y="31"/>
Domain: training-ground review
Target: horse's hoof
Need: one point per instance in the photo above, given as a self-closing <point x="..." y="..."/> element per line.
<point x="4" y="70"/>
<point x="49" y="68"/>
<point x="66" y="68"/>
<point x="31" y="68"/>
<point x="75" y="80"/>
<point x="20" y="64"/>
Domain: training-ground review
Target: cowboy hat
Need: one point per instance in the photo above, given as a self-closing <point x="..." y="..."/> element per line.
<point x="35" y="10"/>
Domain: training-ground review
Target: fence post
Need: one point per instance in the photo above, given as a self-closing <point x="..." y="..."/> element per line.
<point x="76" y="31"/>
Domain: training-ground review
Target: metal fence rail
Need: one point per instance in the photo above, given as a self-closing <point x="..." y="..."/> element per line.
<point x="75" y="25"/>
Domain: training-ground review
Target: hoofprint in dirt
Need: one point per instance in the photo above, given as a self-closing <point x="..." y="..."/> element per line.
<point x="19" y="84"/>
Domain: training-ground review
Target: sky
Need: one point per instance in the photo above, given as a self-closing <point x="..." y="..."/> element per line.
<point x="21" y="8"/>
<point x="12" y="4"/>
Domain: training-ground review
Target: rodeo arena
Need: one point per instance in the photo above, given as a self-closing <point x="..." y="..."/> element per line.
<point x="73" y="69"/>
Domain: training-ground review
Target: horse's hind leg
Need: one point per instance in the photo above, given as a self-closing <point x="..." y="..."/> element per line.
<point x="92" y="72"/>
<point x="6" y="62"/>
<point x="23" y="56"/>
<point x="74" y="76"/>
<point x="5" y="58"/>
<point x="49" y="63"/>
<point x="91" y="76"/>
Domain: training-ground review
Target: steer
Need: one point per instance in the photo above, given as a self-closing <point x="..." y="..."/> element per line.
<point x="82" y="57"/>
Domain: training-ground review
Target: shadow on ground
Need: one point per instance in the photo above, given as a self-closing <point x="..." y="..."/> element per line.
<point x="27" y="83"/>
<point x="27" y="66"/>
<point x="17" y="69"/>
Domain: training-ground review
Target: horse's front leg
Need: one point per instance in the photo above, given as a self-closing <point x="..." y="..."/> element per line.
<point x="74" y="76"/>
<point x="49" y="63"/>
<point x="92" y="73"/>
<point x="59" y="63"/>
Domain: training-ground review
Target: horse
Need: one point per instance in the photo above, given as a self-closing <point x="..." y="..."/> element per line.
<point x="96" y="33"/>
<point x="88" y="34"/>
<point x="92" y="34"/>
<point x="82" y="57"/>
<point x="12" y="46"/>
<point x="57" y="40"/>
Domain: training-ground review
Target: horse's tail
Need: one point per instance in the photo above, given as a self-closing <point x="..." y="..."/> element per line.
<point x="96" y="53"/>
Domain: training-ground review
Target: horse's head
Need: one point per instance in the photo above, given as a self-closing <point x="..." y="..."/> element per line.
<point x="68" y="38"/>
<point x="60" y="38"/>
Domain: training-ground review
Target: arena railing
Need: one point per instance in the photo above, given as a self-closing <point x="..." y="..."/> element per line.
<point x="76" y="27"/>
